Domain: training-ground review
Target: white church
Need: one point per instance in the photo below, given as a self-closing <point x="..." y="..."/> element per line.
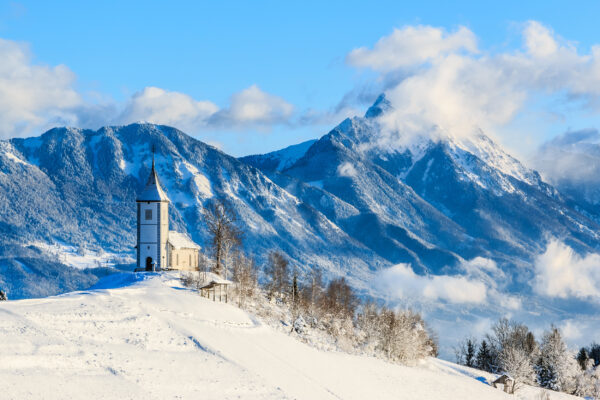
<point x="158" y="248"/>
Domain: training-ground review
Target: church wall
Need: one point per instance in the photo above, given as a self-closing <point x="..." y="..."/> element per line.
<point x="184" y="256"/>
<point x="149" y="221"/>
<point x="147" y="250"/>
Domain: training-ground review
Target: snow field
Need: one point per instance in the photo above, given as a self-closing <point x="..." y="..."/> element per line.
<point x="150" y="338"/>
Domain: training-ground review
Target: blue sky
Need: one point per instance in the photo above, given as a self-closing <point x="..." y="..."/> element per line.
<point x="296" y="52"/>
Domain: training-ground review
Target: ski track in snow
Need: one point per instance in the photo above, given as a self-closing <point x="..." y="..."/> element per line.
<point x="153" y="339"/>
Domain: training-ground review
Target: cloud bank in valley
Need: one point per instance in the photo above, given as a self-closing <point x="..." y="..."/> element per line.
<point x="561" y="272"/>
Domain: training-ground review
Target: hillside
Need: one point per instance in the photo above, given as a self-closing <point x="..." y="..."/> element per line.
<point x="145" y="336"/>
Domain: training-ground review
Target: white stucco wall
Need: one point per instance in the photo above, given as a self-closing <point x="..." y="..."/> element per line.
<point x="148" y="233"/>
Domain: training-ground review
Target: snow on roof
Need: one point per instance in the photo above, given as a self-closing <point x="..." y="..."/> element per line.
<point x="153" y="191"/>
<point x="181" y="241"/>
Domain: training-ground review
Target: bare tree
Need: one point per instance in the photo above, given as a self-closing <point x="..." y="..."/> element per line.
<point x="245" y="274"/>
<point x="221" y="221"/>
<point x="278" y="275"/>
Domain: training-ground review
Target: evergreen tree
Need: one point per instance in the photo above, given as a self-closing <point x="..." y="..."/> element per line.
<point x="594" y="352"/>
<point x="483" y="360"/>
<point x="3" y="296"/>
<point x="582" y="358"/>
<point x="470" y="355"/>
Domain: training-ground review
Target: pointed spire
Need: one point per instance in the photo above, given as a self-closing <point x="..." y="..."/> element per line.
<point x="153" y="190"/>
<point x="153" y="151"/>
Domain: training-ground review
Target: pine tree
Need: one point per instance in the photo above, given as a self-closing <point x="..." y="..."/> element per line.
<point x="483" y="360"/>
<point x="582" y="358"/>
<point x="470" y="355"/>
<point x="3" y="296"/>
<point x="594" y="352"/>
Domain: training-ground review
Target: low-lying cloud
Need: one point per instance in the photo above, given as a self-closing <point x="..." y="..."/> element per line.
<point x="561" y="272"/>
<point x="402" y="282"/>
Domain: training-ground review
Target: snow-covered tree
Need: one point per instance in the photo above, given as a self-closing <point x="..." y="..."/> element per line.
<point x="516" y="362"/>
<point x="556" y="367"/>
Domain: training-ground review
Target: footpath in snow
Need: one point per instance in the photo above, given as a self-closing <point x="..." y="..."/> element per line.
<point x="146" y="337"/>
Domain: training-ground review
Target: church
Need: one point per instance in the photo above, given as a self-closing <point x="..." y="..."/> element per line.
<point x="157" y="247"/>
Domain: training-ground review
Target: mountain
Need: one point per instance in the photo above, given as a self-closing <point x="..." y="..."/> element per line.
<point x="431" y="202"/>
<point x="123" y="338"/>
<point x="76" y="189"/>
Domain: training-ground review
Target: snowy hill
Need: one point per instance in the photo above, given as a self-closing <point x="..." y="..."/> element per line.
<point x="144" y="336"/>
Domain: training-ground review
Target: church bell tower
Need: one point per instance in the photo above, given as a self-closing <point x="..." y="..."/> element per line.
<point x="152" y="225"/>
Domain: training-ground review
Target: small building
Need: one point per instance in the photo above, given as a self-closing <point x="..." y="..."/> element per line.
<point x="215" y="288"/>
<point x="508" y="383"/>
<point x="182" y="252"/>
<point x="157" y="247"/>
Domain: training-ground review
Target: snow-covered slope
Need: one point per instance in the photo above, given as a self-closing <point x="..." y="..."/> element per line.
<point x="146" y="337"/>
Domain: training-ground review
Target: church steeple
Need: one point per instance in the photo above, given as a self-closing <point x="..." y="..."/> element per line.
<point x="153" y="190"/>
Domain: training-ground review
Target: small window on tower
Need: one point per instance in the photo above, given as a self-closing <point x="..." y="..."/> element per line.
<point x="148" y="215"/>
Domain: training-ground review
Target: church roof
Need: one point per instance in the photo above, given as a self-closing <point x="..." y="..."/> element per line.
<point x="153" y="191"/>
<point x="181" y="241"/>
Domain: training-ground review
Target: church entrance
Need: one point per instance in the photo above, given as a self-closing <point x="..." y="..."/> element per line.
<point x="148" y="263"/>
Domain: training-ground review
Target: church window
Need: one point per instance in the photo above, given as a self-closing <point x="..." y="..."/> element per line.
<point x="177" y="259"/>
<point x="190" y="260"/>
<point x="148" y="215"/>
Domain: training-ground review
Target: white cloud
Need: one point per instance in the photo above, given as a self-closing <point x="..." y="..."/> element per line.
<point x="410" y="46"/>
<point x="252" y="106"/>
<point x="36" y="97"/>
<point x="450" y="89"/>
<point x="571" y="329"/>
<point x="561" y="272"/>
<point x="347" y="169"/>
<point x="539" y="40"/>
<point x="402" y="282"/>
<point x="32" y="95"/>
<point x="159" y="106"/>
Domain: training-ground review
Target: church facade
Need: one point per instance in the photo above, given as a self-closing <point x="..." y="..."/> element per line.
<point x="157" y="247"/>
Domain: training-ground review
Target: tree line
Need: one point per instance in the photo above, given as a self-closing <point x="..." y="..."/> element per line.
<point x="511" y="348"/>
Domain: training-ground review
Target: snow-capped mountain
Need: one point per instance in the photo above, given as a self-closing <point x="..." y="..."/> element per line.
<point x="77" y="188"/>
<point x="431" y="202"/>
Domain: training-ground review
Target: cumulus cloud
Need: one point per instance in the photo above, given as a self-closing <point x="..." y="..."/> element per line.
<point x="449" y="88"/>
<point x="253" y="106"/>
<point x="402" y="282"/>
<point x="410" y="46"/>
<point x="33" y="95"/>
<point x="561" y="272"/>
<point x="160" y="106"/>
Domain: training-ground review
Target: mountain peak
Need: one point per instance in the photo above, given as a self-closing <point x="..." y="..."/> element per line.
<point x="381" y="105"/>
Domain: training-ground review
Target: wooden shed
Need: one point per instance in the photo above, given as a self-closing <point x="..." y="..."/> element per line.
<point x="508" y="383"/>
<point x="216" y="289"/>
